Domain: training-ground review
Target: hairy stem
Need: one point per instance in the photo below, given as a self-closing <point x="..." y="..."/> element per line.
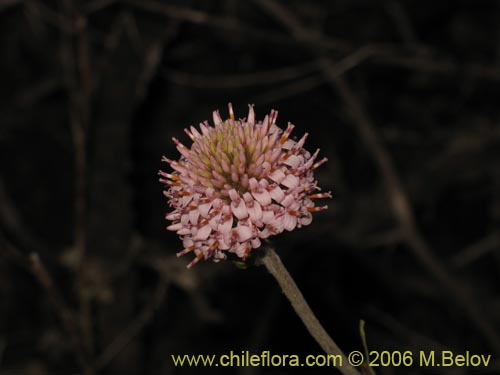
<point x="274" y="265"/>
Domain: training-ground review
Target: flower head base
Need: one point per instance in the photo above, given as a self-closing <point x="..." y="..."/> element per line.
<point x="241" y="181"/>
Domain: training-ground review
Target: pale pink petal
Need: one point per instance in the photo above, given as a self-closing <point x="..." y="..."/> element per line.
<point x="210" y="192"/>
<point x="253" y="183"/>
<point x="223" y="245"/>
<point x="290" y="181"/>
<point x="241" y="250"/>
<point x="264" y="126"/>
<point x="243" y="233"/>
<point x="219" y="255"/>
<point x="266" y="167"/>
<point x="203" y="233"/>
<point x="293" y="161"/>
<point x="288" y="201"/>
<point x="277" y="176"/>
<point x="187" y="242"/>
<point x="184" y="151"/>
<point x="205" y="128"/>
<point x="289" y="222"/>
<point x="289" y="143"/>
<point x="233" y="194"/>
<point x="248" y="197"/>
<point x="264" y="183"/>
<point x="265" y="233"/>
<point x="204" y="208"/>
<point x="217" y="203"/>
<point x="262" y="197"/>
<point x="175" y="227"/>
<point x="240" y="209"/>
<point x="215" y="220"/>
<point x="186" y="200"/>
<point x="254" y="211"/>
<point x="195" y="132"/>
<point x="251" y="114"/>
<point x="256" y="243"/>
<point x="268" y="216"/>
<point x="183" y="231"/>
<point x="173" y="216"/>
<point x="194" y="216"/>
<point x="306" y="219"/>
<point x="277" y="194"/>
<point x="227" y="224"/>
<point x="216" y="117"/>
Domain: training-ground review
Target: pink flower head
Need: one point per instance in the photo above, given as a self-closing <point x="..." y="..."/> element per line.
<point x="240" y="181"/>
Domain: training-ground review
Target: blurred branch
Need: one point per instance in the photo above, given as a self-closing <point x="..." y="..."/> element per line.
<point x="291" y="89"/>
<point x="310" y="83"/>
<point x="402" y="22"/>
<point x="96" y="5"/>
<point x="266" y="77"/>
<point x="75" y="61"/>
<point x="407" y="335"/>
<point x="392" y="55"/>
<point x="50" y="16"/>
<point x="135" y="327"/>
<point x="400" y="203"/>
<point x="269" y="77"/>
<point x="13" y="226"/>
<point x="35" y="267"/>
<point x="3" y="345"/>
<point x="7" y="4"/>
<point x="153" y="55"/>
<point x="476" y="251"/>
<point x="221" y="22"/>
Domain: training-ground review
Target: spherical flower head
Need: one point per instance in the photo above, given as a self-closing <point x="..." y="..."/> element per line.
<point x="240" y="181"/>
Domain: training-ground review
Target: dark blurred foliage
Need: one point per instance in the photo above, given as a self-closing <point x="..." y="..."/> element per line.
<point x="401" y="96"/>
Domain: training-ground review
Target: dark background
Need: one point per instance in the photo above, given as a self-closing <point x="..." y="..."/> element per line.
<point x="401" y="96"/>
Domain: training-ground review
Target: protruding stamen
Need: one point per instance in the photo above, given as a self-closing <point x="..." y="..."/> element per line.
<point x="164" y="159"/>
<point x="319" y="163"/>
<point x="168" y="175"/>
<point x="231" y="113"/>
<point x="273" y="116"/>
<point x="195" y="260"/>
<point x="316" y="209"/>
<point x="320" y="195"/>
<point x="298" y="146"/>
<point x="185" y="251"/>
<point x="214" y="246"/>
<point x="247" y="251"/>
<point x="171" y="183"/>
<point x="286" y="133"/>
<point x="190" y="135"/>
